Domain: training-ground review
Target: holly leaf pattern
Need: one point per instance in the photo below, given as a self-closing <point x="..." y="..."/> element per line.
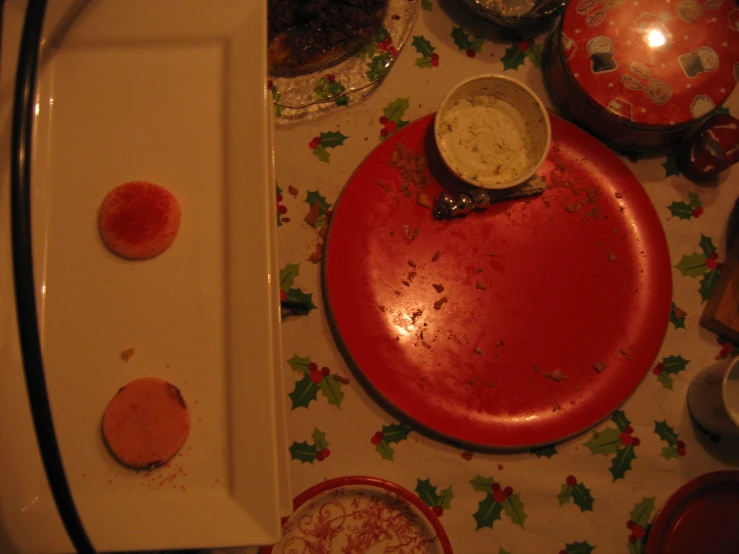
<point x="670" y="365"/>
<point x="426" y="50"/>
<point x="578" y="548"/>
<point x="620" y="419"/>
<point x="288" y="275"/>
<point x="328" y="88"/>
<point x="564" y="494"/>
<point x="543" y="451"/>
<point x="304" y="393"/>
<point x="488" y="512"/>
<point x="605" y="442"/>
<point x="298" y="301"/>
<point x="513" y="58"/>
<point x="677" y="316"/>
<point x="621" y="463"/>
<point x="579" y="494"/>
<point x="665" y="432"/>
<point x="427" y="5"/>
<point x="501" y="551"/>
<point x="482" y="484"/>
<point x="706" y="245"/>
<point x="329" y="139"/>
<point x="670" y="165"/>
<point x="642" y="512"/>
<point x="395" y="432"/>
<point x="379" y="66"/>
<point x="680" y="210"/>
<point x="385" y="450"/>
<point x="708" y="284"/>
<point x="427" y="492"/>
<point x="319" y="439"/>
<point x="299" y="364"/>
<point x="446" y="498"/>
<point x="303" y="452"/>
<point x="513" y="506"/>
<point x="331" y="389"/>
<point x="465" y="41"/>
<point x="692" y="265"/>
<point x="665" y="380"/>
<point x="394" y="112"/>
<point x="721" y="110"/>
<point x="316" y="216"/>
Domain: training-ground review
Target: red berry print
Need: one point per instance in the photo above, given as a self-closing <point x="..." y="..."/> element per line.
<point x="375" y="440"/>
<point x="632" y="539"/>
<point x="571" y="480"/>
<point x="279" y="198"/>
<point x="313" y="366"/>
<point x="523" y="46"/>
<point x="383" y="119"/>
<point x="320" y="456"/>
<point x="434" y="63"/>
<point x="391" y="126"/>
<point x="499" y="496"/>
<point x="438" y="511"/>
<point x="629" y="429"/>
<point x="325" y="371"/>
<point x="680" y="444"/>
<point x="326" y="452"/>
<point x="434" y="56"/>
<point x="711" y="263"/>
<point x="393" y="51"/>
<point x="269" y="83"/>
<point x="384" y="132"/>
<point x="282" y="210"/>
<point x="630" y="524"/>
<point x="508" y="491"/>
<point x="697" y="212"/>
<point x="681" y="452"/>
<point x="626" y="439"/>
<point x="283" y="295"/>
<point x="714" y="255"/>
<point x="659" y="368"/>
<point x="470" y="53"/>
<point x="331" y="78"/>
<point x="496" y="487"/>
<point x="635" y="441"/>
<point x="315" y="143"/>
<point x="638" y="531"/>
<point x="316" y="377"/>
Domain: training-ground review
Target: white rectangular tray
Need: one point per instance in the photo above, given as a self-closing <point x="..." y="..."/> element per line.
<point x="172" y="92"/>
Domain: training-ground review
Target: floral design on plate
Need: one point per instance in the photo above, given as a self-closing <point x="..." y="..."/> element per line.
<point x="361" y="514"/>
<point x="354" y="73"/>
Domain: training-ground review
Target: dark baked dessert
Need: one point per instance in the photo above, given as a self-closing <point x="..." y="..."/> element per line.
<point x="307" y="35"/>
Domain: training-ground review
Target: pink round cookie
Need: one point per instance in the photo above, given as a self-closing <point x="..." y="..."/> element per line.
<point x="139" y="220"/>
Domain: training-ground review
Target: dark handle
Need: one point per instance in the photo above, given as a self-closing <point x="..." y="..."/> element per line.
<point x="25" y="295"/>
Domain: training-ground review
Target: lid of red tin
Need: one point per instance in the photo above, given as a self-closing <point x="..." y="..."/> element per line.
<point x="653" y="62"/>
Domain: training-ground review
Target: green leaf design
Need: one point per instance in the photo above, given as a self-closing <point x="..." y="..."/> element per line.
<point x="708" y="284"/>
<point x="446" y="498"/>
<point x="379" y="66"/>
<point x="665" y="432"/>
<point x="385" y="450"/>
<point x="426" y="5"/>
<point x="642" y="512"/>
<point x="483" y="484"/>
<point x="665" y="380"/>
<point x="681" y="210"/>
<point x="332" y="139"/>
<point x="298" y="298"/>
<point x="513" y="57"/>
<point x="564" y="494"/>
<point x="342" y="101"/>
<point x="424" y="63"/>
<point x="303" y="451"/>
<point x="488" y="512"/>
<point x="582" y="498"/>
<point x="395" y="110"/>
<point x="501" y="551"/>
<point x="288" y="275"/>
<point x="395" y="432"/>
<point x="677" y="317"/>
<point x="670" y="164"/>
<point x="276" y="97"/>
<point x="695" y="200"/>
<point x="461" y="39"/>
<point x="606" y="442"/>
<point x="427" y="492"/>
<point x="621" y="463"/>
<point x="721" y="110"/>
<point x="299" y="364"/>
<point x="325" y="89"/>
<point x="674" y="364"/>
<point x="543" y="451"/>
<point x="314" y="197"/>
<point x="534" y="55"/>
<point x="579" y="548"/>
<point x="706" y="245"/>
<point x="669" y="452"/>
<point x="513" y="506"/>
<point x="321" y="153"/>
<point x="692" y="265"/>
<point x="319" y="439"/>
<point x="423" y="47"/>
<point x="304" y="393"/>
<point x="620" y="419"/>
<point x="331" y="389"/>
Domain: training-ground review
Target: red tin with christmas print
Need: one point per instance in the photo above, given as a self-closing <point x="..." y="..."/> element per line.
<point x="641" y="74"/>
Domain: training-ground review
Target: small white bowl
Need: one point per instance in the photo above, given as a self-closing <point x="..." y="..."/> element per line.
<point x="492" y="131"/>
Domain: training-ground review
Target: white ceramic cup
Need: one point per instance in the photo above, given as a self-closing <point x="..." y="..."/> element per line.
<point x="713" y="397"/>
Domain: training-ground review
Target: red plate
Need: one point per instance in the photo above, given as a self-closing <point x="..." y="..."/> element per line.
<point x="699" y="517"/>
<point x="576" y="277"/>
<point x="359" y="514"/>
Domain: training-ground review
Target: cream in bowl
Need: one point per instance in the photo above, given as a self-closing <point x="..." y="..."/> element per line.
<point x="492" y="131"/>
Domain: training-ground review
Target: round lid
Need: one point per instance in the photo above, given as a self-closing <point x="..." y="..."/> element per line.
<point x="699" y="517"/>
<point x="653" y="62"/>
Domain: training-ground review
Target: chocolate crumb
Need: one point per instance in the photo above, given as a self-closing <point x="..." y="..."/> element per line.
<point x="572" y="208"/>
<point x="467" y="455"/>
<point x="341" y="379"/>
<point x="490" y="385"/>
<point x="382" y="309"/>
<point x="412" y="263"/>
<point x="500" y="343"/>
<point x="439" y="303"/>
<point x="612" y="257"/>
<point x="556" y="375"/>
<point x="439" y="288"/>
<point x="436" y="256"/>
<point x="127" y="353"/>
<point x="406" y="283"/>
<point x="599" y="367"/>
<point x="500" y="467"/>
<point x="619" y="195"/>
<point x="478" y="350"/>
<point x="480" y="286"/>
<point x="423" y="200"/>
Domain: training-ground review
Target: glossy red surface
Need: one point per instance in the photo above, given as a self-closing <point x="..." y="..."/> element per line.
<point x="565" y="287"/>
<point x="700" y="517"/>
